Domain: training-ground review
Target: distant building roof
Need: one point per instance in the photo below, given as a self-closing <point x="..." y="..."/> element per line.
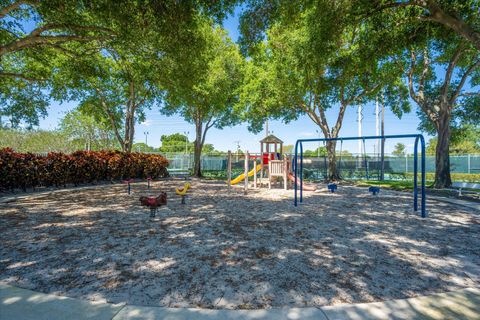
<point x="271" y="139"/>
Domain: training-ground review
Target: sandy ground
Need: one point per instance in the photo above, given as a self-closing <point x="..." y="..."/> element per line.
<point x="228" y="250"/>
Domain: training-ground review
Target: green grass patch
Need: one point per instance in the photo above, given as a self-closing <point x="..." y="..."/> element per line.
<point x="400" y="185"/>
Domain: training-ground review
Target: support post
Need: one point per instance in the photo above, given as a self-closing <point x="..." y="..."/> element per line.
<point x="285" y="172"/>
<point x="255" y="173"/>
<point x="424" y="198"/>
<point x="382" y="157"/>
<point x="365" y="159"/>
<point x="295" y="172"/>
<point x="229" y="170"/>
<point x="245" y="186"/>
<point x="415" y="179"/>
<point x="301" y="172"/>
<point x="261" y="161"/>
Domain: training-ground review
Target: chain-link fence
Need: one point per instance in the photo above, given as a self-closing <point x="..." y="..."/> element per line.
<point x="316" y="168"/>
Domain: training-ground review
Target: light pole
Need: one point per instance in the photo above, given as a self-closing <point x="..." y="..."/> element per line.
<point x="318" y="149"/>
<point x="146" y="133"/>
<point x="186" y="133"/>
<point x="237" y="142"/>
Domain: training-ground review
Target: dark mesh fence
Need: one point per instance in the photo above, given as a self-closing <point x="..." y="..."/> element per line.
<point x="316" y="168"/>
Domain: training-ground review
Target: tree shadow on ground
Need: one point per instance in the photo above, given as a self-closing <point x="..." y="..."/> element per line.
<point x="227" y="250"/>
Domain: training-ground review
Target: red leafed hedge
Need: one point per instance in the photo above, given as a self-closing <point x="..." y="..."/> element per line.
<point x="28" y="170"/>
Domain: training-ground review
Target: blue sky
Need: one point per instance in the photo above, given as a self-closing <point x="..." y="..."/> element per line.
<point x="158" y="124"/>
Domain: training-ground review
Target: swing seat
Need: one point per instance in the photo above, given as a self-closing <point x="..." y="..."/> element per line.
<point x="374" y="190"/>
<point x="332" y="187"/>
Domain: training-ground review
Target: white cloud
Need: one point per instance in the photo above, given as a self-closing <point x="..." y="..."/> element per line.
<point x="147" y="123"/>
<point x="306" y="134"/>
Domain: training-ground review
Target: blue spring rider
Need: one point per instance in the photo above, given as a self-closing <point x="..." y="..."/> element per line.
<point x="332" y="187"/>
<point x="374" y="190"/>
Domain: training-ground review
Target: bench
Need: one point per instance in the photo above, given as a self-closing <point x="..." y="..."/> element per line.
<point x="180" y="173"/>
<point x="469" y="185"/>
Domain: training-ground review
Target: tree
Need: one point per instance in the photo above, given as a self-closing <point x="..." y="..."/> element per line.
<point x="319" y="152"/>
<point x="288" y="149"/>
<point x="460" y="16"/>
<point x="115" y="86"/>
<point x="35" y="140"/>
<point x="313" y="63"/>
<point x="84" y="131"/>
<point x="142" y="147"/>
<point x="33" y="34"/>
<point x="208" y="88"/>
<point x="465" y="140"/>
<point x="439" y="96"/>
<point x="176" y="143"/>
<point x="399" y="150"/>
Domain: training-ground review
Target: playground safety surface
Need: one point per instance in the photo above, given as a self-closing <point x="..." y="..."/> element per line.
<point x="227" y="250"/>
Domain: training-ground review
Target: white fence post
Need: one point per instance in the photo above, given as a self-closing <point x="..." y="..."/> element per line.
<point x="406" y="163"/>
<point x="468" y="163"/>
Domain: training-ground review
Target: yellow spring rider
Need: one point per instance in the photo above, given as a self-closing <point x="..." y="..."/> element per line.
<point x="183" y="191"/>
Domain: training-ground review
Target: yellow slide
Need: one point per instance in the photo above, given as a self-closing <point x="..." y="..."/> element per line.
<point x="242" y="176"/>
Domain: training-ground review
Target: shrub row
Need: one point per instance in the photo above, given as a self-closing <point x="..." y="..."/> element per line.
<point x="28" y="170"/>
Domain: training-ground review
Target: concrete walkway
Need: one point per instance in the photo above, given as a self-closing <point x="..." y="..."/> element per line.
<point x="465" y="203"/>
<point x="22" y="304"/>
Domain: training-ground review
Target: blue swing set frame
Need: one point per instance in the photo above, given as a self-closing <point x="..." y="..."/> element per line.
<point x="298" y="169"/>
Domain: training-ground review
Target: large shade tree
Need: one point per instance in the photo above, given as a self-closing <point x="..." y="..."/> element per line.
<point x="33" y="34"/>
<point x="203" y="89"/>
<point x="115" y="86"/>
<point x="459" y="16"/>
<point x="443" y="96"/>
<point x="442" y="73"/>
<point x="309" y="65"/>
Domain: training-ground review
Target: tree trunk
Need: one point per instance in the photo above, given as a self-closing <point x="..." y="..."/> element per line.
<point x="129" y="130"/>
<point x="130" y="120"/>
<point x="333" y="174"/>
<point x="197" y="170"/>
<point x="442" y="154"/>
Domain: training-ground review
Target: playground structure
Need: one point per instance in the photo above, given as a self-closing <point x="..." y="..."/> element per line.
<point x="298" y="165"/>
<point x="273" y="164"/>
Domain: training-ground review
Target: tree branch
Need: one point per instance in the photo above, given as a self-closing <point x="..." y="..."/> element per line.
<point x="390" y="6"/>
<point x="19" y="76"/>
<point x="470" y="94"/>
<point x="338" y="124"/>
<point x="13" y="6"/>
<point x="419" y="97"/>
<point x="462" y="81"/>
<point x="44" y="40"/>
<point x="111" y="117"/>
<point x="324" y="123"/>
<point x="423" y="78"/>
<point x="411" y="89"/>
<point x="448" y="75"/>
<point x="67" y="27"/>
<point x="452" y="22"/>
